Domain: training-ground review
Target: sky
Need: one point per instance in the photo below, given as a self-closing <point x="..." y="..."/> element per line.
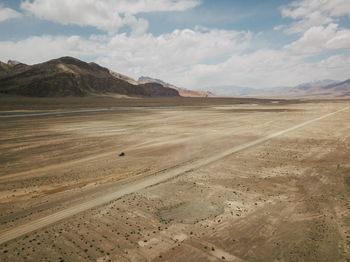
<point x="190" y="43"/>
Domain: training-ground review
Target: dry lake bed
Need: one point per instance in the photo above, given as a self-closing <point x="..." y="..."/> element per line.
<point x="174" y="180"/>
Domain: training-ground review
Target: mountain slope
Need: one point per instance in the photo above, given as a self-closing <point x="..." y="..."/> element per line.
<point x="341" y="88"/>
<point x="329" y="88"/>
<point x="4" y="67"/>
<point x="69" y="76"/>
<point x="124" y="77"/>
<point x="182" y="91"/>
<point x="315" y="84"/>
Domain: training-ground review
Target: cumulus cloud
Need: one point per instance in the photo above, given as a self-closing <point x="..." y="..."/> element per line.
<point x="267" y="68"/>
<point x="38" y="49"/>
<point x="8" y="13"/>
<point x="175" y="51"/>
<point x="107" y="15"/>
<point x="135" y="54"/>
<point x="309" y="13"/>
<point x="303" y="8"/>
<point x="321" y="38"/>
<point x="142" y="6"/>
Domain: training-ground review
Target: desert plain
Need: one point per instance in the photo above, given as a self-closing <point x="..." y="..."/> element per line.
<point x="174" y="179"/>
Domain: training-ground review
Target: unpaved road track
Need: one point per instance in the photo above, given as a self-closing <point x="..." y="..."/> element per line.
<point x="60" y="113"/>
<point x="143" y="183"/>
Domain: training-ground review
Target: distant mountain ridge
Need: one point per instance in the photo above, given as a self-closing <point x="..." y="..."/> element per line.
<point x="68" y="76"/>
<point x="310" y="85"/>
<point x="329" y="88"/>
<point x="323" y="88"/>
<point x="10" y="64"/>
<point x="13" y="63"/>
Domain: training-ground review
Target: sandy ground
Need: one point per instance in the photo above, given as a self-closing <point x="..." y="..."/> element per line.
<point x="283" y="200"/>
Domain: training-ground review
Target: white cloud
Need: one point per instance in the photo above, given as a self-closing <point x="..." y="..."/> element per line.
<point x="303" y="8"/>
<point x="134" y="54"/>
<point x="143" y="6"/>
<point x="107" y="15"/>
<point x="8" y="13"/>
<point x="309" y="13"/>
<point x="267" y="68"/>
<point x="264" y="67"/>
<point x="39" y="49"/>
<point x="171" y="52"/>
<point x="321" y="38"/>
<point x="314" y="19"/>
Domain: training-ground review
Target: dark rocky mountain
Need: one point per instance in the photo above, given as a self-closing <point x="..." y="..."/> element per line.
<point x="69" y="76"/>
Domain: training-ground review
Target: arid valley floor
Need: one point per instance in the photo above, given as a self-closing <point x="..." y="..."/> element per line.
<point x="201" y="180"/>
